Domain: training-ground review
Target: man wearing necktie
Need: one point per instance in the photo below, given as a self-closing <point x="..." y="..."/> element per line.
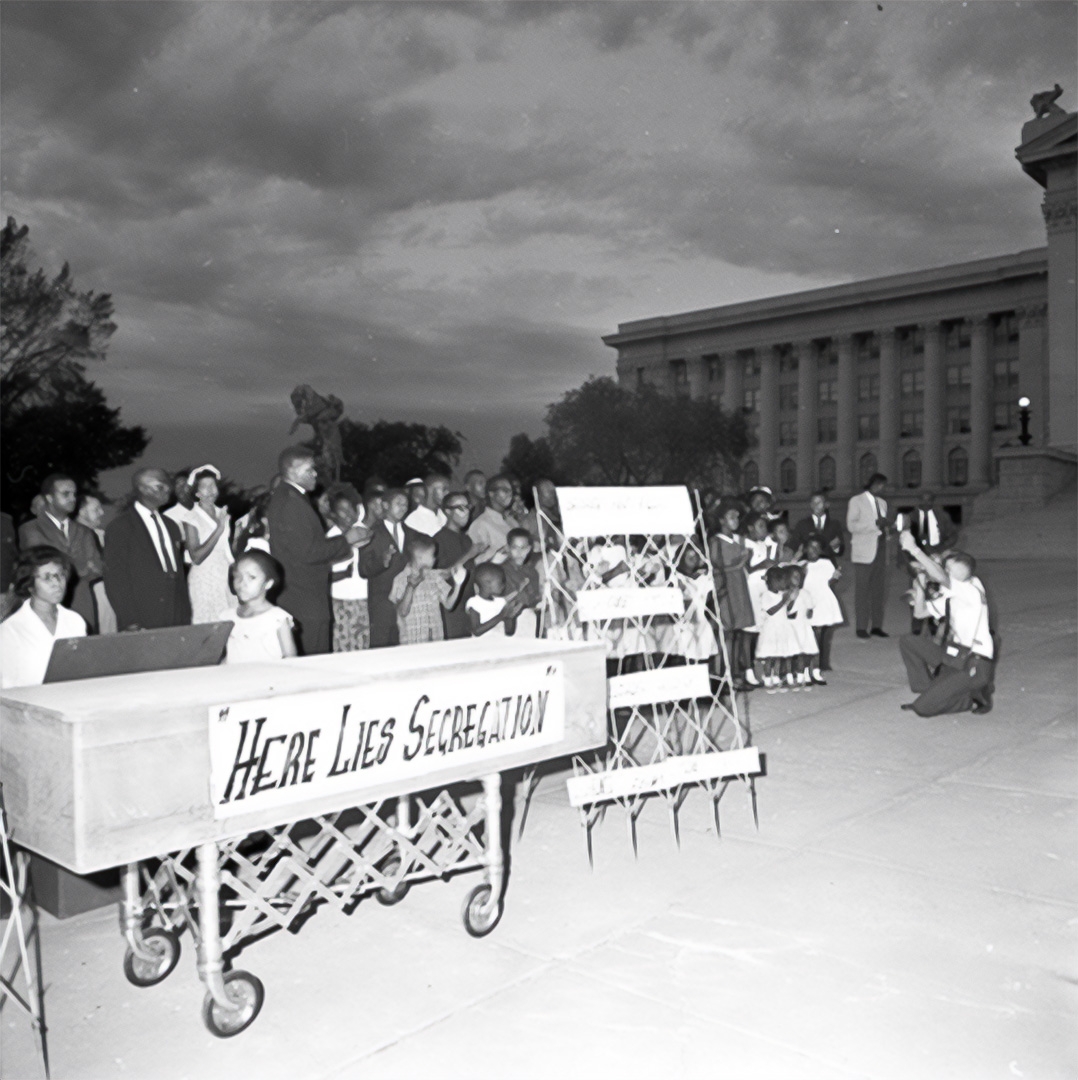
<point x="934" y="532"/>
<point x="380" y="562"/>
<point x="55" y="526"/>
<point x="866" y="520"/>
<point x="821" y="525"/>
<point x="144" y="576"/>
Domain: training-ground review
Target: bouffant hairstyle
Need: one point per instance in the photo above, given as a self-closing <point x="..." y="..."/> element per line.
<point x="31" y="560"/>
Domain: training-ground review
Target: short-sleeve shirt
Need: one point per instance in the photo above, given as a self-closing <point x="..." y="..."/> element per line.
<point x="26" y="644"/>
<point x="255" y="639"/>
<point x="486" y="610"/>
<point x="968" y="608"/>
<point x="491" y="528"/>
<point x="424" y="619"/>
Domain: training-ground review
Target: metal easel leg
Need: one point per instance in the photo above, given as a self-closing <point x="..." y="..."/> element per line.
<point x="483" y="905"/>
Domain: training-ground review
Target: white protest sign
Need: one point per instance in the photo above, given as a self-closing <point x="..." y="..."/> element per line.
<point x="617" y="602"/>
<point x="666" y="775"/>
<point x="280" y="750"/>
<point x="623" y="511"/>
<point x="664" y="684"/>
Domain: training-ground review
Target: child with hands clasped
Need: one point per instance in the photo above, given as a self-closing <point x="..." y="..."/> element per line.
<point x="820" y="571"/>
<point x="419" y="592"/>
<point x="522" y="577"/>
<point x="491" y="611"/>
<point x="786" y="652"/>
<point x="260" y="630"/>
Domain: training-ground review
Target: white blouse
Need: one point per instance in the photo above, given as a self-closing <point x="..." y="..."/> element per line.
<point x="26" y="644"/>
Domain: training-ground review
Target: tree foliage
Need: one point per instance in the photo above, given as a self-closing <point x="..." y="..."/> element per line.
<point x="601" y="433"/>
<point x="531" y="460"/>
<point x="53" y="418"/>
<point x="396" y="451"/>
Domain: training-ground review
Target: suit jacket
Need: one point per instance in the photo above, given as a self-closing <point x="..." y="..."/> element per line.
<point x="861" y="515"/>
<point x="141" y="593"/>
<point x="380" y="562"/>
<point x="832" y="530"/>
<point x="947" y="531"/>
<point x="299" y="543"/>
<point x="81" y="547"/>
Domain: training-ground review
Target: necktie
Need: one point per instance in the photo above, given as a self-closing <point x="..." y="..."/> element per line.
<point x="63" y="528"/>
<point x="819" y="524"/>
<point x="166" y="549"/>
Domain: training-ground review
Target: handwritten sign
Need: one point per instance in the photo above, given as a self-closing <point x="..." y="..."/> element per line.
<point x="664" y="684"/>
<point x="286" y="749"/>
<point x="623" y="511"/>
<point x="616" y="602"/>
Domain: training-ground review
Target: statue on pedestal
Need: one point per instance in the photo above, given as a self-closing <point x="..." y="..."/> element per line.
<point x="1044" y="103"/>
<point x="323" y="414"/>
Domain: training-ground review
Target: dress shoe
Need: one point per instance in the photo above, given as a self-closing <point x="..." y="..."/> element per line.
<point x="982" y="703"/>
<point x="908" y="707"/>
<point x="863" y="634"/>
<point x="879" y="633"/>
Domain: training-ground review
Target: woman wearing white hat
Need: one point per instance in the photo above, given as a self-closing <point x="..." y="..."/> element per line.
<point x="205" y="529"/>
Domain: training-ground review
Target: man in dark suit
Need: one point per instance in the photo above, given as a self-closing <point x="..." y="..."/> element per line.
<point x="144" y="576"/>
<point x="299" y="543"/>
<point x="55" y="526"/>
<point x="9" y="555"/>
<point x="934" y="532"/>
<point x="381" y="561"/>
<point x="821" y="525"/>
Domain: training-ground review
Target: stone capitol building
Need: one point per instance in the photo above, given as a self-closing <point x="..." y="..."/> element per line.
<point x="922" y="376"/>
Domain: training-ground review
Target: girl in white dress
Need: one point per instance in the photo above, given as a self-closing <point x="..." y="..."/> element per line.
<point x="206" y="532"/>
<point x="693" y="636"/>
<point x="763" y="555"/>
<point x="260" y="630"/>
<point x="799" y="611"/>
<point x="826" y="611"/>
<point x="778" y="641"/>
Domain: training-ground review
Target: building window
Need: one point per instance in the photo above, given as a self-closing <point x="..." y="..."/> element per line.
<point x="1005" y="374"/>
<point x="827" y="355"/>
<point x="911" y="423"/>
<point x="868" y="426"/>
<point x="957" y="467"/>
<point x="1004" y="329"/>
<point x="827" y="391"/>
<point x="788" y="475"/>
<point x="751" y="365"/>
<point x="749" y="400"/>
<point x="788" y="433"/>
<point x="641" y="378"/>
<point x="913" y="382"/>
<point x="957" y="375"/>
<point x="911" y="341"/>
<point x="679" y="374"/>
<point x="866" y="467"/>
<point x="752" y="429"/>
<point x="867" y="347"/>
<point x="1005" y="416"/>
<point x="911" y="469"/>
<point x="958" y="420"/>
<point x="750" y="475"/>
<point x="827" y="473"/>
<point x="826" y="429"/>
<point x="868" y="387"/>
<point x="787" y="360"/>
<point x="788" y="396"/>
<point x="713" y="363"/>
<point x="956" y="336"/>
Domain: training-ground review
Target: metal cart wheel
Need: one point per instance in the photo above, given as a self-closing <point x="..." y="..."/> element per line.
<point x="389" y="897"/>
<point x="246" y="991"/>
<point x="481" y="913"/>
<point x="160" y="954"/>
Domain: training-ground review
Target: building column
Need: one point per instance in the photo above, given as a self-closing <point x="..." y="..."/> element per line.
<point x="1033" y="368"/>
<point x="888" y="405"/>
<point x="932" y="409"/>
<point x="769" y="415"/>
<point x="846" y="407"/>
<point x="980" y="403"/>
<point x="697" y="372"/>
<point x="733" y="383"/>
<point x="806" y="416"/>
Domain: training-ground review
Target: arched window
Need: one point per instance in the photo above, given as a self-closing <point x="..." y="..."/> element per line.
<point x="911" y="469"/>
<point x="866" y="467"/>
<point x="827" y="473"/>
<point x="958" y="467"/>
<point x="788" y="475"/>
<point x="750" y="475"/>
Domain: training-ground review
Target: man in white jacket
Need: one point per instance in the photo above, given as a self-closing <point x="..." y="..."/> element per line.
<point x="866" y="520"/>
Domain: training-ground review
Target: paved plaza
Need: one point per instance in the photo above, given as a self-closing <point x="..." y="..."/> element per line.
<point x="907" y="909"/>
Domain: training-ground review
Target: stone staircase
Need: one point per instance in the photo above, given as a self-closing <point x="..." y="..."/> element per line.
<point x="1050" y="531"/>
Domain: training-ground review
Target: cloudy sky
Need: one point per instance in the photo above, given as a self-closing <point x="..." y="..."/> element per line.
<point x="435" y="210"/>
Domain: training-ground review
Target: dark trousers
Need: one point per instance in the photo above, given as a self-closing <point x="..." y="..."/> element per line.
<point x="941" y="689"/>
<point x="869" y="589"/>
<point x="312" y="636"/>
<point x="823" y="645"/>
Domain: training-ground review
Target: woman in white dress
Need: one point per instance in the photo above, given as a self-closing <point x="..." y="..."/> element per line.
<point x="205" y="529"/>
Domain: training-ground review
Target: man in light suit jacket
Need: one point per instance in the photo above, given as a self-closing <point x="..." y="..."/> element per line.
<point x="866" y="520"/>
<point x="144" y="576"/>
<point x="299" y="543"/>
<point x="55" y="526"/>
<point x="381" y="561"/>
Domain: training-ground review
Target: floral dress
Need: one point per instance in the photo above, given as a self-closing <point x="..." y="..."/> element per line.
<point x="207" y="582"/>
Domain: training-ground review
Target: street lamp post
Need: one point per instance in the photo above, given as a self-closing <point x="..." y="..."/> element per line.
<point x="1023" y="418"/>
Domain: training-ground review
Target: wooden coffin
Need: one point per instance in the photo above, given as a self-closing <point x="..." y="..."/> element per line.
<point x="99" y="772"/>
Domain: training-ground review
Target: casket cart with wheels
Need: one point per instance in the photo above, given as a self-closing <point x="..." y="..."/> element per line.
<point x="239" y="799"/>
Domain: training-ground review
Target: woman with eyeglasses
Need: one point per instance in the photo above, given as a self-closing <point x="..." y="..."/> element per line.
<point x="27" y="636"/>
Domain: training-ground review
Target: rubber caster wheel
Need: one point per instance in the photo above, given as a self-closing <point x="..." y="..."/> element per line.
<point x="480" y="917"/>
<point x="247" y="992"/>
<point x="389" y="897"/>
<point x="164" y="947"/>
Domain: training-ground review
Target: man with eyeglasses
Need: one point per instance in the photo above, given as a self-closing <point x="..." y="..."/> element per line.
<point x="144" y="576"/>
<point x="454" y="543"/>
<point x="490" y="529"/>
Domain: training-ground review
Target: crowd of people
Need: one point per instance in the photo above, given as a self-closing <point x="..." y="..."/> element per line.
<point x="351" y="570"/>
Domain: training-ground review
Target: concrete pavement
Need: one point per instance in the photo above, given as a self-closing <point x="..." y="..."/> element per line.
<point x="908" y="908"/>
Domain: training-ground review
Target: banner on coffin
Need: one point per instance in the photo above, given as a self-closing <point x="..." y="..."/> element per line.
<point x="628" y="602"/>
<point x="287" y="749"/>
<point x="624" y="511"/>
<point x="661" y="685"/>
